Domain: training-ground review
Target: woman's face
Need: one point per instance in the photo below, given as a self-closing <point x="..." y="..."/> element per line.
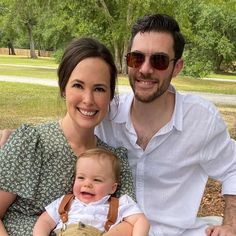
<point x="88" y="92"/>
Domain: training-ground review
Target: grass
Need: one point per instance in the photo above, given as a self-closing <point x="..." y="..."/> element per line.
<point x="32" y="104"/>
<point x="28" y="72"/>
<point x="230" y="76"/>
<point x="20" y="60"/>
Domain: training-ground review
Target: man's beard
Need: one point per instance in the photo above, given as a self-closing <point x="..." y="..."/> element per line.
<point x="153" y="96"/>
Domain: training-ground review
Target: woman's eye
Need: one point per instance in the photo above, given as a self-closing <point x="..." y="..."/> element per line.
<point x="77" y="86"/>
<point x="99" y="89"/>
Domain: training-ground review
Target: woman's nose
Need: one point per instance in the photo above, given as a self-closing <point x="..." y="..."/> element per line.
<point x="88" y="98"/>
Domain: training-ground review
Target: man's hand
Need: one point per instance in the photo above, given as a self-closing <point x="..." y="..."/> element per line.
<point x="4" y="135"/>
<point x="220" y="230"/>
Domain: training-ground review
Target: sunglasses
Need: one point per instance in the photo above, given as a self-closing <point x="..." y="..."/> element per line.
<point x="159" y="61"/>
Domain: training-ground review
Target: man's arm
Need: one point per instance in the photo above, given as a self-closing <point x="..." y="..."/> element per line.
<point x="228" y="228"/>
<point x="4" y="135"/>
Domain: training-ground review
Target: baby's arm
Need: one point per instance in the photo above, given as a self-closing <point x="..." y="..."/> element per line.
<point x="44" y="225"/>
<point x="140" y="224"/>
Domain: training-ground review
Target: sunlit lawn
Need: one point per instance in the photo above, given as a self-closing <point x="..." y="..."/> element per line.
<point x="21" y="103"/>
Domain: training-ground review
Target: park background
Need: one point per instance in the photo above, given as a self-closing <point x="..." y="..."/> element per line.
<point x="45" y="27"/>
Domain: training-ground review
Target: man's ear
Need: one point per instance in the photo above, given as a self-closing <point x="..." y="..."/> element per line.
<point x="178" y="67"/>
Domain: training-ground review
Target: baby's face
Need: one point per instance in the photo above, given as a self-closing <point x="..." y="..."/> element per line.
<point x="94" y="179"/>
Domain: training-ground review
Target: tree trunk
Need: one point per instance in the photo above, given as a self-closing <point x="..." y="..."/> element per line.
<point x="126" y="40"/>
<point x="11" y="50"/>
<point x="117" y="56"/>
<point x="32" y="49"/>
<point x="219" y="60"/>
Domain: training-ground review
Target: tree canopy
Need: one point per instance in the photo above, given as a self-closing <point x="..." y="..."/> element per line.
<point x="209" y="27"/>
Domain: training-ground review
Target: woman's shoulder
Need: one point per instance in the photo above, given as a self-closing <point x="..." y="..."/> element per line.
<point x="119" y="151"/>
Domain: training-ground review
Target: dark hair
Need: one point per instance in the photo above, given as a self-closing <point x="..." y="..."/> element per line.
<point x="79" y="50"/>
<point x="160" y="23"/>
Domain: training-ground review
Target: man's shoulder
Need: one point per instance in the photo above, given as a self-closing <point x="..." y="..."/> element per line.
<point x="196" y="101"/>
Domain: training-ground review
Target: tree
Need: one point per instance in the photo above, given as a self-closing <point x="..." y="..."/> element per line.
<point x="211" y="42"/>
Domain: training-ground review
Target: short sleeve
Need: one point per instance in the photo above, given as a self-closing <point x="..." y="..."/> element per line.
<point x="52" y="209"/>
<point x="127" y="207"/>
<point x="126" y="180"/>
<point x="20" y="162"/>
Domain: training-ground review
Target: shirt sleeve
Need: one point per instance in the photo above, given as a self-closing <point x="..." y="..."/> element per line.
<point x="52" y="209"/>
<point x="126" y="185"/>
<point x="127" y="207"/>
<point x="20" y="162"/>
<point x="219" y="155"/>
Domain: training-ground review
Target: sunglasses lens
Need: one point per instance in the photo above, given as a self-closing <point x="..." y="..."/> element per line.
<point x="160" y="61"/>
<point x="135" y="59"/>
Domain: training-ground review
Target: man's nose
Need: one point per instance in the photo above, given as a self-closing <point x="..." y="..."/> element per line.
<point x="146" y="67"/>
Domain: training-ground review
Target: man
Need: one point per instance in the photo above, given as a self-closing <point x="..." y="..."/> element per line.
<point x="175" y="141"/>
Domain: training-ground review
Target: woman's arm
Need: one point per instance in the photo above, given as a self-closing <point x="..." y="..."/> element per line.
<point x="44" y="225"/>
<point x="6" y="200"/>
<point x="4" y="135"/>
<point x="122" y="229"/>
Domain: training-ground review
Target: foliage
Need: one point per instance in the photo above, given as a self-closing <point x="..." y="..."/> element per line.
<point x="209" y="27"/>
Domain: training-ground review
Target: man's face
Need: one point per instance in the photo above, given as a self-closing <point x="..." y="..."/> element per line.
<point x="147" y="82"/>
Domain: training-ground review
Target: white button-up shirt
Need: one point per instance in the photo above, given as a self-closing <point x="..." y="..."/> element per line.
<point x="94" y="213"/>
<point x="171" y="173"/>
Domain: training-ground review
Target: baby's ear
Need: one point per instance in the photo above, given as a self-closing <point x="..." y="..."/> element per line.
<point x="114" y="187"/>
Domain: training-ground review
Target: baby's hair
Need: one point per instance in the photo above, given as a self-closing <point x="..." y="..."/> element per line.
<point x="101" y="153"/>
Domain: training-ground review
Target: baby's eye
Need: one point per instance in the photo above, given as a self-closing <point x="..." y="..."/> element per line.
<point x="80" y="177"/>
<point x="97" y="180"/>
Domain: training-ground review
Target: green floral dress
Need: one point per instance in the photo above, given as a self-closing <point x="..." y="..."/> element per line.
<point x="38" y="164"/>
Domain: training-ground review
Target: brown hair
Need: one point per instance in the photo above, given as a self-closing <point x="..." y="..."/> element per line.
<point x="79" y="50"/>
<point x="102" y="153"/>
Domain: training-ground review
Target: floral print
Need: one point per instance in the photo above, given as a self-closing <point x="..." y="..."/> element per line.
<point x="38" y="164"/>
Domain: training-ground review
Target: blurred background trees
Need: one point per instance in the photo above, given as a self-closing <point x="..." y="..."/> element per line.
<point x="209" y="27"/>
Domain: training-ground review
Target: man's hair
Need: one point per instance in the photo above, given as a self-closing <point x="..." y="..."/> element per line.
<point x="160" y="23"/>
<point x="101" y="154"/>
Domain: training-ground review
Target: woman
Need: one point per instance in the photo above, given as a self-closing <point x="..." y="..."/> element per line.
<point x="37" y="163"/>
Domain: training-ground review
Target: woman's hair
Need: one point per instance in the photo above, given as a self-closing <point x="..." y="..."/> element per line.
<point x="101" y="154"/>
<point x="79" y="50"/>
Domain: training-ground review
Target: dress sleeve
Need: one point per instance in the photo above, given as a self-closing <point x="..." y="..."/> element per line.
<point x="126" y="180"/>
<point x="20" y="162"/>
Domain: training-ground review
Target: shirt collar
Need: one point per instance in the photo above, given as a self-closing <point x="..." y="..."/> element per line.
<point x="124" y="101"/>
<point x="99" y="202"/>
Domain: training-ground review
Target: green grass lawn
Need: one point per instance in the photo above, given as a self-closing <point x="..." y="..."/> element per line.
<point x="36" y="72"/>
<point x="21" y="103"/>
<point x="20" y="60"/>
